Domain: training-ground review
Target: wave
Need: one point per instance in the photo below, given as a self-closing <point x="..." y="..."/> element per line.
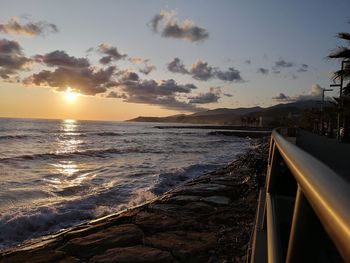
<point x="24" y="223"/>
<point x="10" y="137"/>
<point x="168" y="180"/>
<point x="99" y="153"/>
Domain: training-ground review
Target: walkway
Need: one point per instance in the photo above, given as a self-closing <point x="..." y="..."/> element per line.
<point x="334" y="154"/>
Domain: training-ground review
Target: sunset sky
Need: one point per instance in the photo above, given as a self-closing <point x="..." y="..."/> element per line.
<point x="116" y="60"/>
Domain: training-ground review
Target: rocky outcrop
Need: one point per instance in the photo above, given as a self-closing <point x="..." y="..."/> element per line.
<point x="208" y="219"/>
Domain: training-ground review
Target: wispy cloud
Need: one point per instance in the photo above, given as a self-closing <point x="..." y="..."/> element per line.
<point x="14" y="26"/>
<point x="283" y="64"/>
<point x="303" y="68"/>
<point x="111" y="53"/>
<point x="167" y="25"/>
<point x="263" y="71"/>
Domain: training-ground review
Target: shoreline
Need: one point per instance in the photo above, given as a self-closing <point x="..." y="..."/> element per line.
<point x="206" y="219"/>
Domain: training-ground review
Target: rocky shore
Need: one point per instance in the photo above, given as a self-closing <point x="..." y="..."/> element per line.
<point x="208" y="219"/>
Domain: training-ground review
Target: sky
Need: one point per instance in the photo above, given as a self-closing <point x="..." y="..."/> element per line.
<point x="116" y="60"/>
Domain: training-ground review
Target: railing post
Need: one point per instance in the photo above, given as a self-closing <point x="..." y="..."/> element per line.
<point x="304" y="236"/>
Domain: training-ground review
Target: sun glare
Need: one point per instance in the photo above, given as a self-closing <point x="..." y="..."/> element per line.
<point x="70" y="95"/>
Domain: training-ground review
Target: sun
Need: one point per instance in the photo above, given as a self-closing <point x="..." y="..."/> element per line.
<point x="70" y="95"/>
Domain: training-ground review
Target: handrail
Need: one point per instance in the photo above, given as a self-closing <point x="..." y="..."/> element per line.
<point x="327" y="193"/>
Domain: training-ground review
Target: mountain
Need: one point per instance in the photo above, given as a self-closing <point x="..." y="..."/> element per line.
<point x="253" y="116"/>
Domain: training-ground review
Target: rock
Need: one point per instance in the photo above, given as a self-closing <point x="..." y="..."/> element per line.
<point x="199" y="207"/>
<point x="136" y="254"/>
<point x="34" y="256"/>
<point x="186" y="246"/>
<point x="155" y="221"/>
<point x="217" y="199"/>
<point x="185" y="198"/>
<point x="114" y="236"/>
<point x="202" y="189"/>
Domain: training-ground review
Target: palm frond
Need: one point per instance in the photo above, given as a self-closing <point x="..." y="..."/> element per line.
<point x="345" y="73"/>
<point x="341" y="52"/>
<point x="344" y="35"/>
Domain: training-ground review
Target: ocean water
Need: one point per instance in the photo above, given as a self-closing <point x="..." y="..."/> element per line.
<point x="55" y="174"/>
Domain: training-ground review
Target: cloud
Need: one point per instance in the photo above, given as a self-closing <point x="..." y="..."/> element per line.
<point x="200" y="70"/>
<point x="164" y="94"/>
<point x="177" y="66"/>
<point x="229" y="75"/>
<point x="282" y="97"/>
<point x="303" y="68"/>
<point x="147" y="69"/>
<point x="12" y="59"/>
<point x="14" y="26"/>
<point x="283" y="64"/>
<point x="167" y="24"/>
<point x="315" y="93"/>
<point x="111" y="53"/>
<point x="88" y="80"/>
<point x="212" y="96"/>
<point x="60" y="58"/>
<point x="137" y="60"/>
<point x="263" y="71"/>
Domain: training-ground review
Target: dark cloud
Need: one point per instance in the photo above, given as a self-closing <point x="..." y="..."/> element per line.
<point x="60" y="58"/>
<point x="283" y="64"/>
<point x="14" y="26"/>
<point x="282" y="97"/>
<point x="147" y="69"/>
<point x="230" y="75"/>
<point x="150" y="92"/>
<point x="155" y="22"/>
<point x="168" y="26"/>
<point x="303" y="68"/>
<point x="177" y="66"/>
<point x="88" y="81"/>
<point x="105" y="60"/>
<point x="263" y="71"/>
<point x="12" y="59"/>
<point x="110" y="52"/>
<point x="200" y="70"/>
<point x="212" y="96"/>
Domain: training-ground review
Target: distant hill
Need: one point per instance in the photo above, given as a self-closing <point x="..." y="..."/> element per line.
<point x="239" y="116"/>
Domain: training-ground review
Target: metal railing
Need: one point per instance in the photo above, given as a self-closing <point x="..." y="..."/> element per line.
<point x="319" y="200"/>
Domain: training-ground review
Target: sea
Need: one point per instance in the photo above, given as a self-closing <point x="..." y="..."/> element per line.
<point x="55" y="174"/>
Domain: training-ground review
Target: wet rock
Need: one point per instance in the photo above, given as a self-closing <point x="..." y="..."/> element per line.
<point x="136" y="254"/>
<point x="155" y="222"/>
<point x="217" y="199"/>
<point x="202" y="189"/>
<point x="34" y="256"/>
<point x="199" y="207"/>
<point x="185" y="198"/>
<point x="185" y="246"/>
<point x="122" y="235"/>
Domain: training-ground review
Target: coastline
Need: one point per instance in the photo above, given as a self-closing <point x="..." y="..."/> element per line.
<point x="206" y="219"/>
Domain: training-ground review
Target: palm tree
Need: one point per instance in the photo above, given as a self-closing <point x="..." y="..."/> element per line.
<point x="343" y="53"/>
